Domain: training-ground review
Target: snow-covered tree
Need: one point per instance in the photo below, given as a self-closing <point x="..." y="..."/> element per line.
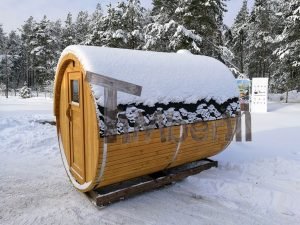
<point x="167" y="31"/>
<point x="260" y="39"/>
<point x="46" y="43"/>
<point x="287" y="75"/>
<point x="25" y="91"/>
<point x="205" y="18"/>
<point x="125" y="25"/>
<point x="114" y="35"/>
<point x="82" y="27"/>
<point x="68" y="32"/>
<point x="2" y="40"/>
<point x="156" y="37"/>
<point x="239" y="32"/>
<point x="133" y="22"/>
<point x="10" y="61"/>
<point x="16" y="60"/>
<point x="186" y="24"/>
<point x="28" y="45"/>
<point x="157" y="32"/>
<point x="96" y="28"/>
<point x="264" y="43"/>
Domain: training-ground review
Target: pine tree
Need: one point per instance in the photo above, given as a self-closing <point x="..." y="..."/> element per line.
<point x="264" y="43"/>
<point x="11" y="61"/>
<point x="188" y="35"/>
<point x="239" y="32"/>
<point x="114" y="34"/>
<point x="167" y="31"/>
<point x="189" y="24"/>
<point x="133" y="22"/>
<point x="68" y="32"/>
<point x="46" y="49"/>
<point x="164" y="10"/>
<point x="157" y="31"/>
<point x="28" y="44"/>
<point x="96" y="28"/>
<point x="82" y="27"/>
<point x="3" y="72"/>
<point x="260" y="39"/>
<point x="205" y="18"/>
<point x="2" y="40"/>
<point x="16" y="61"/>
<point x="287" y="75"/>
<point x="56" y="32"/>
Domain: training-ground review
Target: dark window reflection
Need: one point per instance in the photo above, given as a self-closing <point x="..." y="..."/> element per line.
<point x="75" y="91"/>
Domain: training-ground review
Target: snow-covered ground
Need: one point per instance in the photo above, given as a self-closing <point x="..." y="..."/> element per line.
<point x="293" y="97"/>
<point x="256" y="183"/>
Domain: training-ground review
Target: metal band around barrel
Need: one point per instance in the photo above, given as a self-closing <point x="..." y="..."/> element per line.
<point x="177" y="148"/>
<point x="103" y="164"/>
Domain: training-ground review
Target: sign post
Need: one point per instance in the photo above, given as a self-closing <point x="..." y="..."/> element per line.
<point x="259" y="101"/>
<point x="244" y="89"/>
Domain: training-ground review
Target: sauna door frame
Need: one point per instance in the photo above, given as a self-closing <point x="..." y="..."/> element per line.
<point x="76" y="111"/>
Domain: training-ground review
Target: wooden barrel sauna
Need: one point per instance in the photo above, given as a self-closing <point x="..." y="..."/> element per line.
<point x="168" y="109"/>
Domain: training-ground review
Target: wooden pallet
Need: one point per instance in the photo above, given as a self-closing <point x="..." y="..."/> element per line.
<point x="114" y="193"/>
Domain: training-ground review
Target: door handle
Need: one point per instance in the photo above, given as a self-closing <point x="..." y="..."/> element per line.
<point x="68" y="112"/>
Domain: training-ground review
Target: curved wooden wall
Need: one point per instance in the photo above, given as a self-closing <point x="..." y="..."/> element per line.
<point x="143" y="154"/>
<point x="91" y="130"/>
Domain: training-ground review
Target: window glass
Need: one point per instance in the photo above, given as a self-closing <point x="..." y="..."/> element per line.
<point x="75" y="91"/>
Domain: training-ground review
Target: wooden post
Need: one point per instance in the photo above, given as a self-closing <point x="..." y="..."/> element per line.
<point x="248" y="128"/>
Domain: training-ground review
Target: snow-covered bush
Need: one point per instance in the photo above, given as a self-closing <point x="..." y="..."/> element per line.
<point x="25" y="92"/>
<point x="2" y="87"/>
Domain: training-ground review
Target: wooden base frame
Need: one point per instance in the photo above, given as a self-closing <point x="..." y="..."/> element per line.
<point x="116" y="192"/>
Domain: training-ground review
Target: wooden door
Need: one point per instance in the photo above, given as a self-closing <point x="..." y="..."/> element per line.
<point x="76" y="126"/>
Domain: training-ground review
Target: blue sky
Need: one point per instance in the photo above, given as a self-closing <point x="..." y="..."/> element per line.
<point x="13" y="13"/>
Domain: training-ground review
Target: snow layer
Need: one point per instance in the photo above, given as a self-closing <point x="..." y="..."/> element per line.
<point x="164" y="77"/>
<point x="256" y="183"/>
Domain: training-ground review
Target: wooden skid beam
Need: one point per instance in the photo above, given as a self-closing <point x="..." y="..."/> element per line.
<point x="114" y="193"/>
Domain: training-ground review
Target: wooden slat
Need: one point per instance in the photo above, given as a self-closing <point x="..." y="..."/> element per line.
<point x="144" y="150"/>
<point x="63" y="121"/>
<point x="130" y="165"/>
<point x="92" y="143"/>
<point x="135" y="173"/>
<point x="153" y="153"/>
<point x="125" y="164"/>
<point x="121" y="169"/>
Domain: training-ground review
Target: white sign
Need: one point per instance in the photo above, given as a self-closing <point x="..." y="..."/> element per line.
<point x="259" y="101"/>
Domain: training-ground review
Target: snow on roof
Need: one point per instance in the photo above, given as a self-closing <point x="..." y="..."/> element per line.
<point x="164" y="77"/>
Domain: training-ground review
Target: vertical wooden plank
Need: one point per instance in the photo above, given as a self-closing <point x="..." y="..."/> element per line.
<point x="238" y="134"/>
<point x="248" y="124"/>
<point x="92" y="145"/>
<point x="76" y="127"/>
<point x="63" y="119"/>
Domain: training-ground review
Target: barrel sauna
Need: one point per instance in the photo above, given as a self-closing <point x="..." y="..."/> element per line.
<point x="165" y="110"/>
